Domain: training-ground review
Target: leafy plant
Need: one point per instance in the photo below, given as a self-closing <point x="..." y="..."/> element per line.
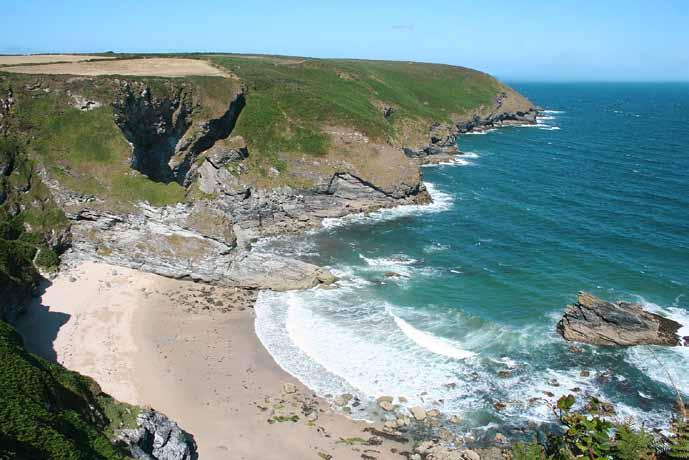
<point x="633" y="445"/>
<point x="528" y="451"/>
<point x="679" y="442"/>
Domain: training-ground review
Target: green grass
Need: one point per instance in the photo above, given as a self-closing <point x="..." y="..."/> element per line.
<point x="29" y="222"/>
<point x="87" y="152"/>
<point x="48" y="412"/>
<point x="288" y="104"/>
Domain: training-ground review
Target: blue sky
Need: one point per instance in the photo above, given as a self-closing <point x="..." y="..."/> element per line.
<point x="514" y="40"/>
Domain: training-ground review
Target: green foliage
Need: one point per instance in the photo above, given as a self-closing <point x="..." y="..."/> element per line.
<point x="29" y="220"/>
<point x="590" y="434"/>
<point x="47" y="258"/>
<point x="46" y="411"/>
<point x="528" y="451"/>
<point x="633" y="445"/>
<point x="587" y="436"/>
<point x="137" y="187"/>
<point x="679" y="442"/>
<point x="87" y="152"/>
<point x="291" y="101"/>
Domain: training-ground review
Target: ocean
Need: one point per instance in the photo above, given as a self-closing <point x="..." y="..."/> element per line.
<point x="595" y="197"/>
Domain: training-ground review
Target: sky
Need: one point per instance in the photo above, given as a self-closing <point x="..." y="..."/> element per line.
<point x="514" y="40"/>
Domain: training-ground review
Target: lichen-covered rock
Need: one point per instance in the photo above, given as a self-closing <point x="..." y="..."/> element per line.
<point x="156" y="437"/>
<point x="597" y="322"/>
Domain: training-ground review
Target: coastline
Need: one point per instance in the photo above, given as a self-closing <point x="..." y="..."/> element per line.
<point x="112" y="333"/>
<point x="167" y="344"/>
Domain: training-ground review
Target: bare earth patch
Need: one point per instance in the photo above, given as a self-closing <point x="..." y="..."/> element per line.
<point x="150" y="67"/>
<point x="47" y="58"/>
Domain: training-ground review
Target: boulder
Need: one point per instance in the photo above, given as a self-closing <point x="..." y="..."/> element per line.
<point x="597" y="322"/>
<point x="385" y="403"/>
<point x="419" y="413"/>
<point x="158" y="438"/>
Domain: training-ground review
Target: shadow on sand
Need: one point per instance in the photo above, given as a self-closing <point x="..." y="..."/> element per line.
<point x="39" y="326"/>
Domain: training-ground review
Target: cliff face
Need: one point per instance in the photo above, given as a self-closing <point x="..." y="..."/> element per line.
<point x="178" y="176"/>
<point x="159" y="128"/>
<point x="506" y="108"/>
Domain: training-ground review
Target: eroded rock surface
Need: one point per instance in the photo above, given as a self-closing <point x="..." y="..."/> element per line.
<point x="597" y="322"/>
<point x="158" y="438"/>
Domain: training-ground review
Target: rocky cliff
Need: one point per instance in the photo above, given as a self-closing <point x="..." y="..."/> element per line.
<point x="179" y="176"/>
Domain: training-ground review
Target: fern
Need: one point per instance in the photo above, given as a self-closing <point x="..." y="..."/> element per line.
<point x="633" y="445"/>
<point x="679" y="442"/>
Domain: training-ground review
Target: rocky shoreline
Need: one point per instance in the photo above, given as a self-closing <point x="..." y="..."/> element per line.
<point x="208" y="236"/>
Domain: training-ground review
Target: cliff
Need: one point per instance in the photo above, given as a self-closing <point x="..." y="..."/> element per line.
<point x="178" y="176"/>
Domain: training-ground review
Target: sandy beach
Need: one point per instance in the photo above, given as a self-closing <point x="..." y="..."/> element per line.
<point x="189" y="350"/>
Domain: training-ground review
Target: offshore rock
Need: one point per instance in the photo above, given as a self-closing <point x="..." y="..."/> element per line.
<point x="597" y="322"/>
<point x="158" y="438"/>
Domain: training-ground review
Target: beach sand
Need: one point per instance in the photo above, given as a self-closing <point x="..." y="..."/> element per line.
<point x="190" y="351"/>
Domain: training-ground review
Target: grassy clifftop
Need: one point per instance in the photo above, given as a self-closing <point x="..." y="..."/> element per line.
<point x="291" y="101"/>
<point x="333" y="111"/>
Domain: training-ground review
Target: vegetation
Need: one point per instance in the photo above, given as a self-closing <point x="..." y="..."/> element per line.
<point x="290" y="101"/>
<point x="48" y="412"/>
<point x="31" y="225"/>
<point x="87" y="152"/>
<point x="292" y="105"/>
<point x="590" y="434"/>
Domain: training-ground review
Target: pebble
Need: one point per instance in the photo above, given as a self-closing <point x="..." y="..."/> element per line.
<point x="343" y="399"/>
<point x="289" y="388"/>
<point x="470" y="455"/>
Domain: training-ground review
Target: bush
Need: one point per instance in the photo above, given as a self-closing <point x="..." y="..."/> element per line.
<point x="589" y="434"/>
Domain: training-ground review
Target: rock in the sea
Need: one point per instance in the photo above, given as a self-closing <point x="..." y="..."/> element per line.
<point x="343" y="399"/>
<point x="385" y="403"/>
<point x="158" y="438"/>
<point x="419" y="413"/>
<point x="597" y="322"/>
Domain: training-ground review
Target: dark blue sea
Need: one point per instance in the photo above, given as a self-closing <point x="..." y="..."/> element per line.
<point x="595" y="197"/>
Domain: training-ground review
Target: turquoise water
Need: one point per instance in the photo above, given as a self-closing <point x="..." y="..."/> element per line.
<point x="595" y="197"/>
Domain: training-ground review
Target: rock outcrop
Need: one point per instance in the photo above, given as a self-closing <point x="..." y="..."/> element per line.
<point x="194" y="241"/>
<point x="509" y="108"/>
<point x="158" y="438"/>
<point x="159" y="126"/>
<point x="597" y="322"/>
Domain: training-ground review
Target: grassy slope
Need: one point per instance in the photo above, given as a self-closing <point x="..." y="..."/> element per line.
<point x="48" y="412"/>
<point x="85" y="151"/>
<point x="288" y="104"/>
<point x="29" y="225"/>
